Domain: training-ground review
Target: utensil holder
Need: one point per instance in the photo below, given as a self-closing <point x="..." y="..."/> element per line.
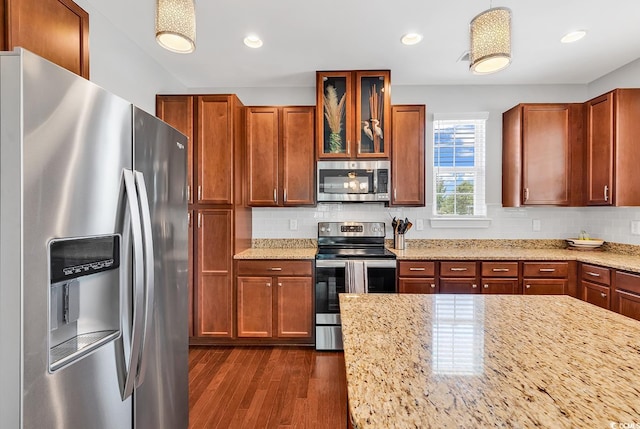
<point x="398" y="241"/>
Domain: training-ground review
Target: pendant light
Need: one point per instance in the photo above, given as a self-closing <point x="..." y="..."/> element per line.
<point x="490" y="34"/>
<point x="176" y="25"/>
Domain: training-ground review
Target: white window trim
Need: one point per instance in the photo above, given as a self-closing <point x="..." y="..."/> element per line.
<point x="459" y="221"/>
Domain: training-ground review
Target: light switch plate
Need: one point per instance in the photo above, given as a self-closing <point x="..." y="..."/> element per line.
<point x="419" y="224"/>
<point x="293" y="224"/>
<point x="535" y="225"/>
<point x="635" y="227"/>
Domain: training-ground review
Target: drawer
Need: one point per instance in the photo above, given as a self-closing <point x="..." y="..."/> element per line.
<point x="545" y="269"/>
<point x="416" y="269"/>
<point x="544" y="286"/>
<point x="411" y="285"/>
<point x="499" y="269"/>
<point x="627" y="281"/>
<point x="596" y="274"/>
<point x="457" y="269"/>
<point x="270" y="267"/>
<point x="596" y="294"/>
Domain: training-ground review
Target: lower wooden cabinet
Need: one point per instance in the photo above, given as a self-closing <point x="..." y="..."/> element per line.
<point x="626" y="295"/>
<point x="458" y="277"/>
<point x="499" y="277"/>
<point x="595" y="285"/>
<point x="459" y="285"/>
<point x="417" y="277"/>
<point x="274" y="300"/>
<point x="546" y="278"/>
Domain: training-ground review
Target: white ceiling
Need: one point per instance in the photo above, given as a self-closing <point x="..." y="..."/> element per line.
<point x="302" y="36"/>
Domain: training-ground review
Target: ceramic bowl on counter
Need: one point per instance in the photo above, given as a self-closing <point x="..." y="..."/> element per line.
<point x="585" y="244"/>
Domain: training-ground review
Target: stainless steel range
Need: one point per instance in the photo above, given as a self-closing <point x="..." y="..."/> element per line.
<point x="351" y="257"/>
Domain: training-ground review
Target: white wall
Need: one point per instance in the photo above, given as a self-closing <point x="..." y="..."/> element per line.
<point x="121" y="67"/>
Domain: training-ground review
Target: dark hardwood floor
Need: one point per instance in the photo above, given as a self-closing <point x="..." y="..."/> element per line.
<point x="266" y="387"/>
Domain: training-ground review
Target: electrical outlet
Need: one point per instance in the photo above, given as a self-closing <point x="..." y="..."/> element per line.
<point x="635" y="227"/>
<point x="419" y="224"/>
<point x="535" y="225"/>
<point x="293" y="224"/>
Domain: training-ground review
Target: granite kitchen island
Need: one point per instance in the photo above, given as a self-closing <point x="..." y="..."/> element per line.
<point x="474" y="361"/>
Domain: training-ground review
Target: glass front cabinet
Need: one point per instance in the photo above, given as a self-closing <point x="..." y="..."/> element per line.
<point x="353" y="114"/>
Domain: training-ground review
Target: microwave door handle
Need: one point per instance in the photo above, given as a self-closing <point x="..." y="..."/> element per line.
<point x="137" y="286"/>
<point x="149" y="280"/>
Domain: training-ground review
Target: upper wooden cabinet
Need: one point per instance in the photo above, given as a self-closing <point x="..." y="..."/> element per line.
<point x="542" y="155"/>
<point x="280" y="156"/>
<point x="215" y="152"/>
<point x="407" y="155"/>
<point x="353" y="116"/>
<point x="57" y="30"/>
<point x="612" y="150"/>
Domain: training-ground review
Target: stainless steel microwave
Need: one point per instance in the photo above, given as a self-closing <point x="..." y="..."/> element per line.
<point x="354" y="181"/>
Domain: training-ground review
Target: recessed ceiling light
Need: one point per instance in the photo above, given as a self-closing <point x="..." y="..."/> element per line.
<point x="253" y="41"/>
<point x="573" y="36"/>
<point x="411" y="39"/>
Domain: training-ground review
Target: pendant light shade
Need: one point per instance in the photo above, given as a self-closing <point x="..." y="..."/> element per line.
<point x="176" y="25"/>
<point x="490" y="34"/>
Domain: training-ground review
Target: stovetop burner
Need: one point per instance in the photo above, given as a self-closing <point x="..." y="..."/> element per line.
<point x="352" y="240"/>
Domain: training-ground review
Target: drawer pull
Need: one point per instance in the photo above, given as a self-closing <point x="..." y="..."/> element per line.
<point x="458" y="269"/>
<point x="433" y="286"/>
<point x="474" y="286"/>
<point x="547" y="270"/>
<point x="486" y="286"/>
<point x="593" y="274"/>
<point x="602" y="294"/>
<point x="416" y="269"/>
<point x="276" y="269"/>
<point x="528" y="286"/>
<point x="500" y="270"/>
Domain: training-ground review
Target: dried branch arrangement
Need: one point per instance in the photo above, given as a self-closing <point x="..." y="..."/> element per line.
<point x="334" y="112"/>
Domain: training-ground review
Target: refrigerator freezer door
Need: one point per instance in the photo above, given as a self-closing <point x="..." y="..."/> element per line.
<point x="76" y="141"/>
<point x="161" y="399"/>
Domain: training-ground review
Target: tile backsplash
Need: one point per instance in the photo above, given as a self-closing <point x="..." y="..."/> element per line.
<point x="612" y="224"/>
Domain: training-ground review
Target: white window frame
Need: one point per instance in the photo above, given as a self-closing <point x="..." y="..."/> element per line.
<point x="479" y="168"/>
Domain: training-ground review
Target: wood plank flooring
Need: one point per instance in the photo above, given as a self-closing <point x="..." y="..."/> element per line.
<point x="266" y="387"/>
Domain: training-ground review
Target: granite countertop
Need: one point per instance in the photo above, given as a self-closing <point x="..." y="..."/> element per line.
<point x="474" y="361"/>
<point x="278" y="253"/>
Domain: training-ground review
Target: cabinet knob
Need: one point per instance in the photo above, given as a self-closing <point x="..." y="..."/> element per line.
<point x="486" y="286"/>
<point x="474" y="286"/>
<point x="268" y="284"/>
<point x="528" y="286"/>
<point x="602" y="294"/>
<point x="433" y="286"/>
<point x="280" y="284"/>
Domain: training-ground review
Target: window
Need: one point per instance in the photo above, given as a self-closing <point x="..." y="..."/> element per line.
<point x="459" y="164"/>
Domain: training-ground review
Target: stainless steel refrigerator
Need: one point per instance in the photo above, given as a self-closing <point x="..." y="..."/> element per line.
<point x="93" y="256"/>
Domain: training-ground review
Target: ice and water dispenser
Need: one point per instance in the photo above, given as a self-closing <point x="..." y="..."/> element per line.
<point x="84" y="304"/>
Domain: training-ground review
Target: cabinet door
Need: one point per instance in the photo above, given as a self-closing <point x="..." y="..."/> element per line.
<point x="466" y="285"/>
<point x="546" y="154"/>
<point x="417" y="285"/>
<point x="628" y="304"/>
<point x="596" y="294"/>
<point x="545" y="286"/>
<point x="372" y="114"/>
<point x="57" y="30"/>
<point x="214" y="149"/>
<point x="297" y="168"/>
<point x="255" y="307"/>
<point x="600" y="150"/>
<point x="262" y="155"/>
<point x="295" y="307"/>
<point x="177" y="111"/>
<point x="407" y="161"/>
<point x="334" y="117"/>
<point x="214" y="288"/>
<point x="500" y="286"/>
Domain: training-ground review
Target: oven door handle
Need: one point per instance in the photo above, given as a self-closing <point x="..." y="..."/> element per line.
<point x="369" y="263"/>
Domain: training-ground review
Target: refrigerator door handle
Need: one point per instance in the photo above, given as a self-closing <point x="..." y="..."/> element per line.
<point x="149" y="281"/>
<point x="138" y="278"/>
